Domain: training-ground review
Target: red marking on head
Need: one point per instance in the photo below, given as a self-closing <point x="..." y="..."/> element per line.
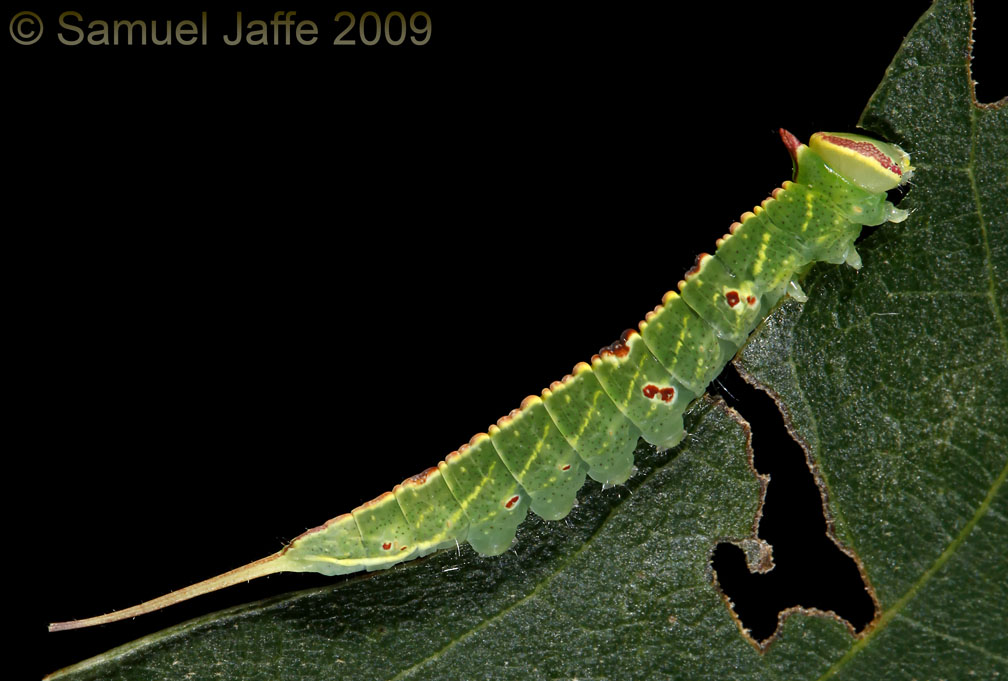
<point x="387" y="545"/>
<point x="751" y="300"/>
<point x="732" y="298"/>
<point x="865" y="149"/>
<point x="650" y="391"/>
<point x="791" y="142"/>
<point x="565" y="468"/>
<point x="667" y="394"/>
<point x="511" y="502"/>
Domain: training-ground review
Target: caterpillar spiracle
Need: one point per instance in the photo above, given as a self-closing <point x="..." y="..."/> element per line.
<point x="588" y="423"/>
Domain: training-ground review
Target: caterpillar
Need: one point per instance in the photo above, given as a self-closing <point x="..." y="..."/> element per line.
<point x="588" y="423"/>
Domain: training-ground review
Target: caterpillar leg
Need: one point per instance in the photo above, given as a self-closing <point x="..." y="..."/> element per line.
<point x="795" y="291"/>
<point x="894" y="214"/>
<point x="852" y="258"/>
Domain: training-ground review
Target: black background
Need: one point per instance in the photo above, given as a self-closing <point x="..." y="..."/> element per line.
<point x="251" y="288"/>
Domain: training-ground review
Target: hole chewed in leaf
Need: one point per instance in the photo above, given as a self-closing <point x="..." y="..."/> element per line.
<point x="990" y="83"/>
<point x="793" y="563"/>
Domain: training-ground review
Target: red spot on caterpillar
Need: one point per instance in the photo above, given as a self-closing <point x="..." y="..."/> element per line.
<point x="865" y="149"/>
<point x="732" y="298"/>
<point x="511" y="502"/>
<point x="387" y="545"/>
<point x="751" y="300"/>
<point x="403" y="548"/>
<point x="667" y="394"/>
<point x="650" y="391"/>
<point x="620" y="347"/>
<point x="696" y="265"/>
<point x="565" y="468"/>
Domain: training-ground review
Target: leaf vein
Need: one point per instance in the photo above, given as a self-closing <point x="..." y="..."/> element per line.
<point x="948" y="637"/>
<point x="891" y="612"/>
<point x="988" y="259"/>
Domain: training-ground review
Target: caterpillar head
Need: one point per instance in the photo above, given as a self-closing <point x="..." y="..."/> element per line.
<point x="868" y="163"/>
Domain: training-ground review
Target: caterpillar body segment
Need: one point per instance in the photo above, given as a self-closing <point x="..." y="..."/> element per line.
<point x="385" y="533"/>
<point x="435" y="517"/>
<point x="730" y="305"/>
<point x="538" y="456"/>
<point x="817" y="228"/>
<point x="759" y="252"/>
<point x="684" y="343"/>
<point x="642" y="389"/>
<point x="334" y="548"/>
<point x="488" y="493"/>
<point x="602" y="436"/>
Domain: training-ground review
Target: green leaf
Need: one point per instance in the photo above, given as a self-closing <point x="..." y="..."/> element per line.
<point x="894" y="377"/>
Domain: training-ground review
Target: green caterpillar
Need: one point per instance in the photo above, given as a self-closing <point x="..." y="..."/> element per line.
<point x="589" y="423"/>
